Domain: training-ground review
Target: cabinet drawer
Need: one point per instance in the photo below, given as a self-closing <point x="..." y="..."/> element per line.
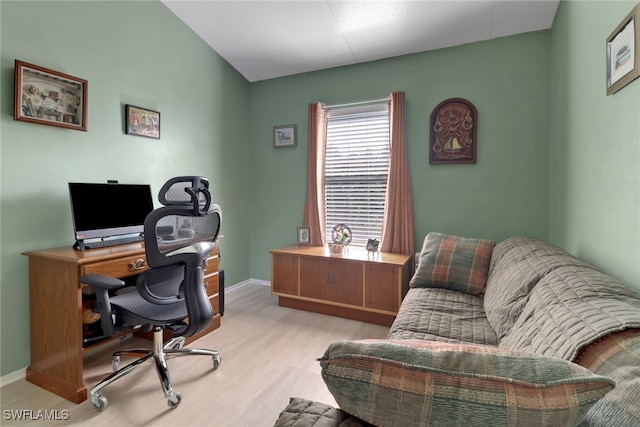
<point x="121" y="267"/>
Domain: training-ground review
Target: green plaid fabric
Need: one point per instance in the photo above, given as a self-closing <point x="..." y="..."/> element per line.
<point x="616" y="355"/>
<point x="452" y="262"/>
<point x="420" y="383"/>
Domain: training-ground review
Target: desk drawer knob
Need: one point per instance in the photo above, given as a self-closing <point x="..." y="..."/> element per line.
<point x="138" y="264"/>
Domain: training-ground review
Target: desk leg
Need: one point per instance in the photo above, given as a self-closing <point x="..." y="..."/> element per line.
<point x="56" y="328"/>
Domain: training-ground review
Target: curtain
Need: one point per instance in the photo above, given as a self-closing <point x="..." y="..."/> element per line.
<point x="313" y="215"/>
<point x="398" y="227"/>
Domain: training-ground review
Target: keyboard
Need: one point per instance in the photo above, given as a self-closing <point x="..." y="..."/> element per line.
<point x="113" y="242"/>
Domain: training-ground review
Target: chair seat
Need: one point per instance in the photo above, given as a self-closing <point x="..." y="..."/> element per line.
<point x="133" y="305"/>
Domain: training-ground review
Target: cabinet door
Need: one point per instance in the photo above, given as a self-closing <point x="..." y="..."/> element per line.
<point x="314" y="277"/>
<point x="381" y="287"/>
<point x="345" y="282"/>
<point x="284" y="274"/>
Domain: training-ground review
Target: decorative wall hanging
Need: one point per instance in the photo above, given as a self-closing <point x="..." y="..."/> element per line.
<point x="48" y="97"/>
<point x="623" y="52"/>
<point x="142" y="122"/>
<point x="284" y="136"/>
<point x="454" y="124"/>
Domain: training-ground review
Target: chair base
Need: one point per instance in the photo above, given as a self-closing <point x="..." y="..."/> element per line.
<point x="159" y="353"/>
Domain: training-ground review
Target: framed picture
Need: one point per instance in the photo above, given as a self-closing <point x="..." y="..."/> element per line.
<point x="454" y="131"/>
<point x="284" y="136"/>
<point x="623" y="52"/>
<point x="49" y="97"/>
<point x="304" y="239"/>
<point x="142" y="122"/>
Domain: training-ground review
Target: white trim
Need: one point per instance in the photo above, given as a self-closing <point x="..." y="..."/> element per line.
<point x="13" y="377"/>
<point x="239" y="285"/>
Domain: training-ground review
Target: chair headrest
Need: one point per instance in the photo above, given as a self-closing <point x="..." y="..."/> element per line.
<point x="188" y="191"/>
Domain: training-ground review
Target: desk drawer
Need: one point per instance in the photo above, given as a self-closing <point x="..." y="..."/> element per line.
<point x="121" y="267"/>
<point x="211" y="265"/>
<point x="211" y="284"/>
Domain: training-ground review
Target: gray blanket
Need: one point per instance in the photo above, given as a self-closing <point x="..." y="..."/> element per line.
<point x="438" y="314"/>
<point x="563" y="305"/>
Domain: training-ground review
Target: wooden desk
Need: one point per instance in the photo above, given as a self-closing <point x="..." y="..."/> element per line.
<point x="55" y="302"/>
<point x="355" y="285"/>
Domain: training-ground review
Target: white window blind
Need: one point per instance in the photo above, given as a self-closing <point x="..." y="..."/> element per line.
<point x="356" y="169"/>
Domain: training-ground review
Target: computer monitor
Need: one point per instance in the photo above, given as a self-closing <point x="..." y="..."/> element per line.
<point x="107" y="210"/>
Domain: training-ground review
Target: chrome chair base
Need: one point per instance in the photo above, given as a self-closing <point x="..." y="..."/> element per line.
<point x="159" y="353"/>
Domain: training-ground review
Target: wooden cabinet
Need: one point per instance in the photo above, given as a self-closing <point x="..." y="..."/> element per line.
<point x="284" y="274"/>
<point x="55" y="303"/>
<point x="356" y="285"/>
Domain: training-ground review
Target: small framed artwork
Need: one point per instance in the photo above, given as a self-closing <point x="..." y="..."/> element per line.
<point x="284" y="136"/>
<point x="304" y="239"/>
<point x="49" y="97"/>
<point x="142" y="122"/>
<point x="623" y="52"/>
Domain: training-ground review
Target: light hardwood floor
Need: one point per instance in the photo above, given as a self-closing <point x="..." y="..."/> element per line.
<point x="268" y="355"/>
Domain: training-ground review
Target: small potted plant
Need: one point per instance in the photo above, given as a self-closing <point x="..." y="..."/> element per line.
<point x="341" y="237"/>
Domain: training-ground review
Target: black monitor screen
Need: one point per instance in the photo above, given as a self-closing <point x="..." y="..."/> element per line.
<point x="103" y="210"/>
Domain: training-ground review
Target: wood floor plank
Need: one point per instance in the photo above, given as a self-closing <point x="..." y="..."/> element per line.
<point x="268" y="355"/>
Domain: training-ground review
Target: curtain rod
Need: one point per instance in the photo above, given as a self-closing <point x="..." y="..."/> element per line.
<point x="353" y="104"/>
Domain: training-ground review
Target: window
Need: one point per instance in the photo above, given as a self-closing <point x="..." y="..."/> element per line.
<point x="356" y="170"/>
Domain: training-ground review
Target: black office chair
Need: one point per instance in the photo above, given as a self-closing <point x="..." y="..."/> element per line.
<point x="178" y="239"/>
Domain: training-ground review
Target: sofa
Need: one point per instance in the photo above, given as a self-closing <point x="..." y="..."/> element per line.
<point x="514" y="333"/>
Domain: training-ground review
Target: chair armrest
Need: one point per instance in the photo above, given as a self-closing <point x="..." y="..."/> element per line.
<point x="101" y="281"/>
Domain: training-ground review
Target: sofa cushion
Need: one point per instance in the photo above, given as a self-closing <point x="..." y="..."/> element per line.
<point x="569" y="308"/>
<point x="418" y="383"/>
<point x="617" y="356"/>
<point x="517" y="264"/>
<point x="452" y="262"/>
<point x="442" y="315"/>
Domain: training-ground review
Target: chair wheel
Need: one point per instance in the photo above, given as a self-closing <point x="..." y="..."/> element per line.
<point x="174" y="400"/>
<point x="217" y="360"/>
<point x="99" y="402"/>
<point x="115" y="363"/>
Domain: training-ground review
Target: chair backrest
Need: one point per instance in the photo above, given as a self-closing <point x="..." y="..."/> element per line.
<point x="178" y="239"/>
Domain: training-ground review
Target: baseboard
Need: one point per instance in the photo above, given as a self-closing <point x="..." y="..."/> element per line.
<point x="21" y="374"/>
<point x="13" y="377"/>
<point x="239" y="285"/>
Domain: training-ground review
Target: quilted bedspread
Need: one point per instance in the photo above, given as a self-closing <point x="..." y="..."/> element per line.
<point x="443" y="315"/>
<point x="563" y="305"/>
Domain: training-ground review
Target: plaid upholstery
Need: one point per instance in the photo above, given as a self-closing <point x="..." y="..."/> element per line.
<point x="452" y="262"/>
<point x="306" y="413"/>
<point x="617" y="356"/>
<point x="419" y="383"/>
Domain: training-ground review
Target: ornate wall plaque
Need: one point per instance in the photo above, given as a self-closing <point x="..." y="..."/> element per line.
<point x="454" y="124"/>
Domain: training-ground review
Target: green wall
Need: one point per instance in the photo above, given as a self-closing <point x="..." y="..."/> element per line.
<point x="594" y="144"/>
<point x="505" y="193"/>
<point x="131" y="53"/>
<point x="557" y="159"/>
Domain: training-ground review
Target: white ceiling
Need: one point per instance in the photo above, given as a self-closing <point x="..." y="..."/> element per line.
<point x="269" y="39"/>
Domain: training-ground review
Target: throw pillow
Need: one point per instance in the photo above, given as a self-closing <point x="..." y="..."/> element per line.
<point x="418" y="383"/>
<point x="452" y="262"/>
